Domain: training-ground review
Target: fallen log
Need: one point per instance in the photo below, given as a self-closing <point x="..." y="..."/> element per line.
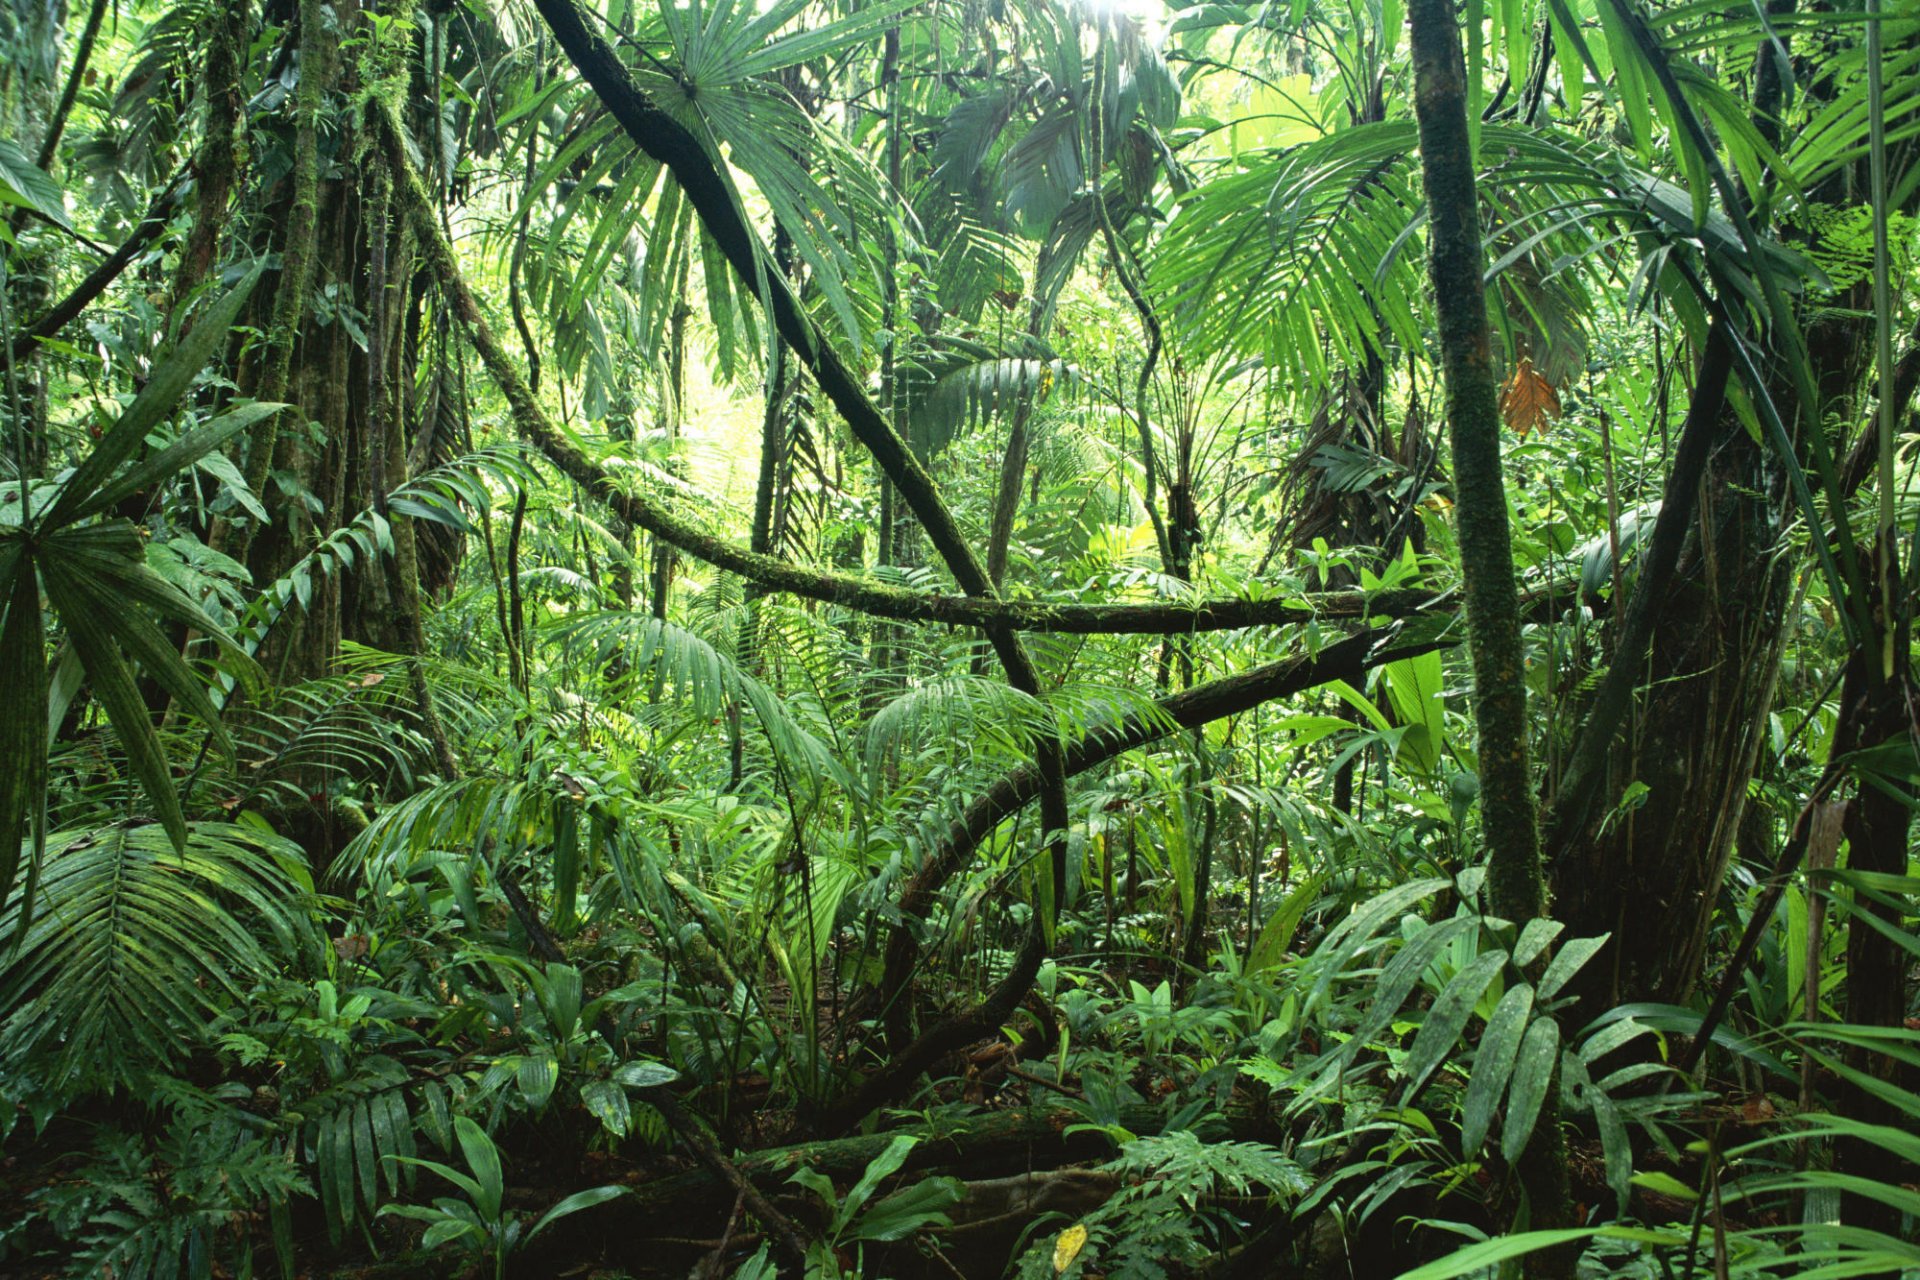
<point x="993" y="1141"/>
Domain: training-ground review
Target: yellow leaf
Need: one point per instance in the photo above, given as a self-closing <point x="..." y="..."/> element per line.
<point x="1068" y="1247"/>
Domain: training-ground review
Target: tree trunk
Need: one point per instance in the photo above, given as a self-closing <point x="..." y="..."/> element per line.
<point x="1456" y="263"/>
<point x="1650" y="877"/>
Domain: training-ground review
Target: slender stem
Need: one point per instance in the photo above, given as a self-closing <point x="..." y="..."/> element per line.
<point x="1473" y="419"/>
<point x="1882" y="324"/>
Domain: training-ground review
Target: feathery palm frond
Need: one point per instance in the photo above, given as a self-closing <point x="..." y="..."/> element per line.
<point x="676" y="662"/>
<point x="723" y="86"/>
<point x="133" y="943"/>
<point x="969" y="394"/>
<point x="1299" y="257"/>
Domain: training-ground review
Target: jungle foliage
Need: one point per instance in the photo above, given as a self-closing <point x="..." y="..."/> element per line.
<point x="1089" y="638"/>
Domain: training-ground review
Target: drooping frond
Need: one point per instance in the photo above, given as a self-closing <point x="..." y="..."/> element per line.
<point x="671" y="662"/>
<point x="132" y="943"/>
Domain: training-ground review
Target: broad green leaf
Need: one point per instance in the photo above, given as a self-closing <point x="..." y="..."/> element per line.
<point x="1567" y="962"/>
<point x="68" y="675"/>
<point x="607" y="1103"/>
<point x="447" y="1229"/>
<point x="1532" y="1074"/>
<point x="1538" y="934"/>
<point x="1493" y="1067"/>
<point x="1448" y="1017"/>
<point x="913" y="1208"/>
<point x="1415" y="687"/>
<point x="537" y="1075"/>
<point x="26" y="184"/>
<point x="1668" y="1017"/>
<point x="878" y="1170"/>
<point x="484" y="1159"/>
<point x="644" y="1075"/>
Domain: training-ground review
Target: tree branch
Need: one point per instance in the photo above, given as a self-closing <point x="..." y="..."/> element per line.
<point x="851" y="591"/>
<point x="64" y="312"/>
<point x="1348" y="659"/>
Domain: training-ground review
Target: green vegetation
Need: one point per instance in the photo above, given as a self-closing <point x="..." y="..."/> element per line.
<point x="1130" y="639"/>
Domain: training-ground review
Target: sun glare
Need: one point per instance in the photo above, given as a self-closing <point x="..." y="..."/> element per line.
<point x="1151" y="12"/>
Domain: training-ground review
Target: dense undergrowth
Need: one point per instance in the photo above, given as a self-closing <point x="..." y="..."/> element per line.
<point x="540" y="736"/>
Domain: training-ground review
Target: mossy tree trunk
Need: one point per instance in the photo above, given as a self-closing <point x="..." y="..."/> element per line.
<point x="1456" y="263"/>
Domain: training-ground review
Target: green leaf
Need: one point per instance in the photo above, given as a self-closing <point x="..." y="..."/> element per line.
<point x="910" y="1209"/>
<point x="1567" y="962"/>
<point x="95" y="638"/>
<point x="644" y="1075"/>
<point x="607" y="1102"/>
<point x="129" y="628"/>
<point x="1277" y="934"/>
<point x="1345" y="939"/>
<point x="446" y="1229"/>
<point x="489" y="1182"/>
<point x="415" y="509"/>
<point x="366" y="1154"/>
<point x="575" y="1203"/>
<point x="538" y="1073"/>
<point x="111" y="554"/>
<point x="24" y="183"/>
<point x="1415" y="687"/>
<point x="418" y="1212"/>
<point x="1448" y="1017"/>
<point x="879" y="1169"/>
<point x="336" y="1156"/>
<point x="1403" y="972"/>
<point x="1538" y="934"/>
<point x="1493" y="1067"/>
<point x="1532" y="1074"/>
<point x="191" y="448"/>
<point x="1665" y="1184"/>
<point x="23" y="721"/>
<point x="1478" y="1259"/>
<point x="387" y="1128"/>
<point x="171" y="379"/>
<point x="68" y="675"/>
<point x="814" y="40"/>
<point x="566" y="864"/>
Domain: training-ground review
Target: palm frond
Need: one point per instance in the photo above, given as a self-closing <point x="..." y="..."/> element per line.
<point x="133" y="944"/>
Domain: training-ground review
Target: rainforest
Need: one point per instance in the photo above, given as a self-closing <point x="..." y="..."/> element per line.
<point x="956" y="639"/>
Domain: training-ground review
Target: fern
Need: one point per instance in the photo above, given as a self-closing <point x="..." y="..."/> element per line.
<point x="1160" y="1220"/>
<point x="175" y="1208"/>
